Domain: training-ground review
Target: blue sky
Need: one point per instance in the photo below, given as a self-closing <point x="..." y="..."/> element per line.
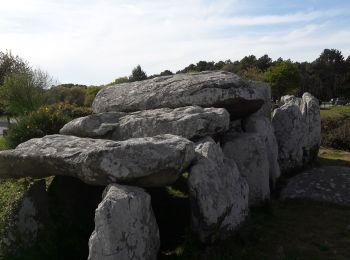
<point x="94" y="42"/>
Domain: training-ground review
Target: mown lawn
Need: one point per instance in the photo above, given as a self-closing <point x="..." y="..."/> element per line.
<point x="329" y="156"/>
<point x="335" y="112"/>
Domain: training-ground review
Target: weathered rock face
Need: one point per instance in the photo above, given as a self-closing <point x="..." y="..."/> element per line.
<point x="218" y="194"/>
<point x="290" y="130"/>
<point x="205" y="89"/>
<point x="311" y="113"/>
<point x="125" y="226"/>
<point x="263" y="127"/>
<point x="151" y="161"/>
<point x="297" y="127"/>
<point x="265" y="92"/>
<point x="27" y="220"/>
<point x="189" y="122"/>
<point x="249" y="152"/>
<point x="287" y="98"/>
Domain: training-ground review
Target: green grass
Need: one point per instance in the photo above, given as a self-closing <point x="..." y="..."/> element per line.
<point x="328" y="156"/>
<point x="291" y="229"/>
<point x="3" y="144"/>
<point x="11" y="194"/>
<point x="335" y="112"/>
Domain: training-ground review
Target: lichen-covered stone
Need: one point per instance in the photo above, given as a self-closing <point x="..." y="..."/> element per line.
<point x="290" y="130"/>
<point x="125" y="226"/>
<point x="189" y="122"/>
<point x="311" y="113"/>
<point x="206" y="89"/>
<point x="297" y="127"/>
<point x="217" y="192"/>
<point x="150" y="161"/>
<point x="25" y="221"/>
<point x="248" y="150"/>
<point x="263" y="127"/>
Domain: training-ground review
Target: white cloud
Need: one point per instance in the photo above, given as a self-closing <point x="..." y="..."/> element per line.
<point x="94" y="42"/>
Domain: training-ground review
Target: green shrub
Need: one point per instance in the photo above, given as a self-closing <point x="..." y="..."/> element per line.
<point x="90" y="94"/>
<point x="336" y="132"/>
<point x="11" y="195"/>
<point x="69" y="110"/>
<point x="44" y="121"/>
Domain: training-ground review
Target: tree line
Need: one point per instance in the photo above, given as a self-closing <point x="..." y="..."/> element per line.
<point x="24" y="89"/>
<point x="326" y="77"/>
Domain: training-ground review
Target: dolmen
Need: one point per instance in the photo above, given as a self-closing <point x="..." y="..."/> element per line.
<point x="213" y="125"/>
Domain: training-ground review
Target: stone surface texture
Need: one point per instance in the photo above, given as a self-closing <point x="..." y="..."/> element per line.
<point x="263" y="127"/>
<point x="28" y="219"/>
<point x="248" y="150"/>
<point x="189" y="122"/>
<point x="311" y="114"/>
<point x="205" y="89"/>
<point x="327" y="183"/>
<point x="218" y="194"/>
<point x="125" y="226"/>
<point x="150" y="161"/>
<point x="297" y="127"/>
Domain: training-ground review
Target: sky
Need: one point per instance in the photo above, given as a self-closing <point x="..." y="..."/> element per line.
<point x="94" y="42"/>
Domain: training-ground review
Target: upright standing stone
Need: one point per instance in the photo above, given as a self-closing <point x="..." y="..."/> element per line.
<point x="218" y="194"/>
<point x="311" y="113"/>
<point x="25" y="221"/>
<point x="125" y="226"/>
<point x="290" y="129"/>
<point x="249" y="152"/>
<point x="263" y="127"/>
<point x="297" y="127"/>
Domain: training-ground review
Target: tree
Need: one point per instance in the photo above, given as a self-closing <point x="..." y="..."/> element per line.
<point x="166" y="73"/>
<point x="203" y="65"/>
<point x="22" y="93"/>
<point x="330" y="67"/>
<point x="283" y="77"/>
<point x="121" y="80"/>
<point x="248" y="62"/>
<point x="264" y="62"/>
<point x="11" y="64"/>
<point x="137" y="74"/>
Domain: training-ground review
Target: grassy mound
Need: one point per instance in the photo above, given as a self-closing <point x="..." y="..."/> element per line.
<point x="336" y="127"/>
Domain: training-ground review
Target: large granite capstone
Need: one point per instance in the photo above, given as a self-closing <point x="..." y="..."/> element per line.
<point x="206" y="89"/>
<point x="189" y="122"/>
<point x="150" y="161"/>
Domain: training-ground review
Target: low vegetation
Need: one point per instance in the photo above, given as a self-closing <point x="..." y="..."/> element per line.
<point x="44" y="121"/>
<point x="329" y="156"/>
<point x="335" y="112"/>
<point x="336" y="127"/>
<point x="290" y="229"/>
